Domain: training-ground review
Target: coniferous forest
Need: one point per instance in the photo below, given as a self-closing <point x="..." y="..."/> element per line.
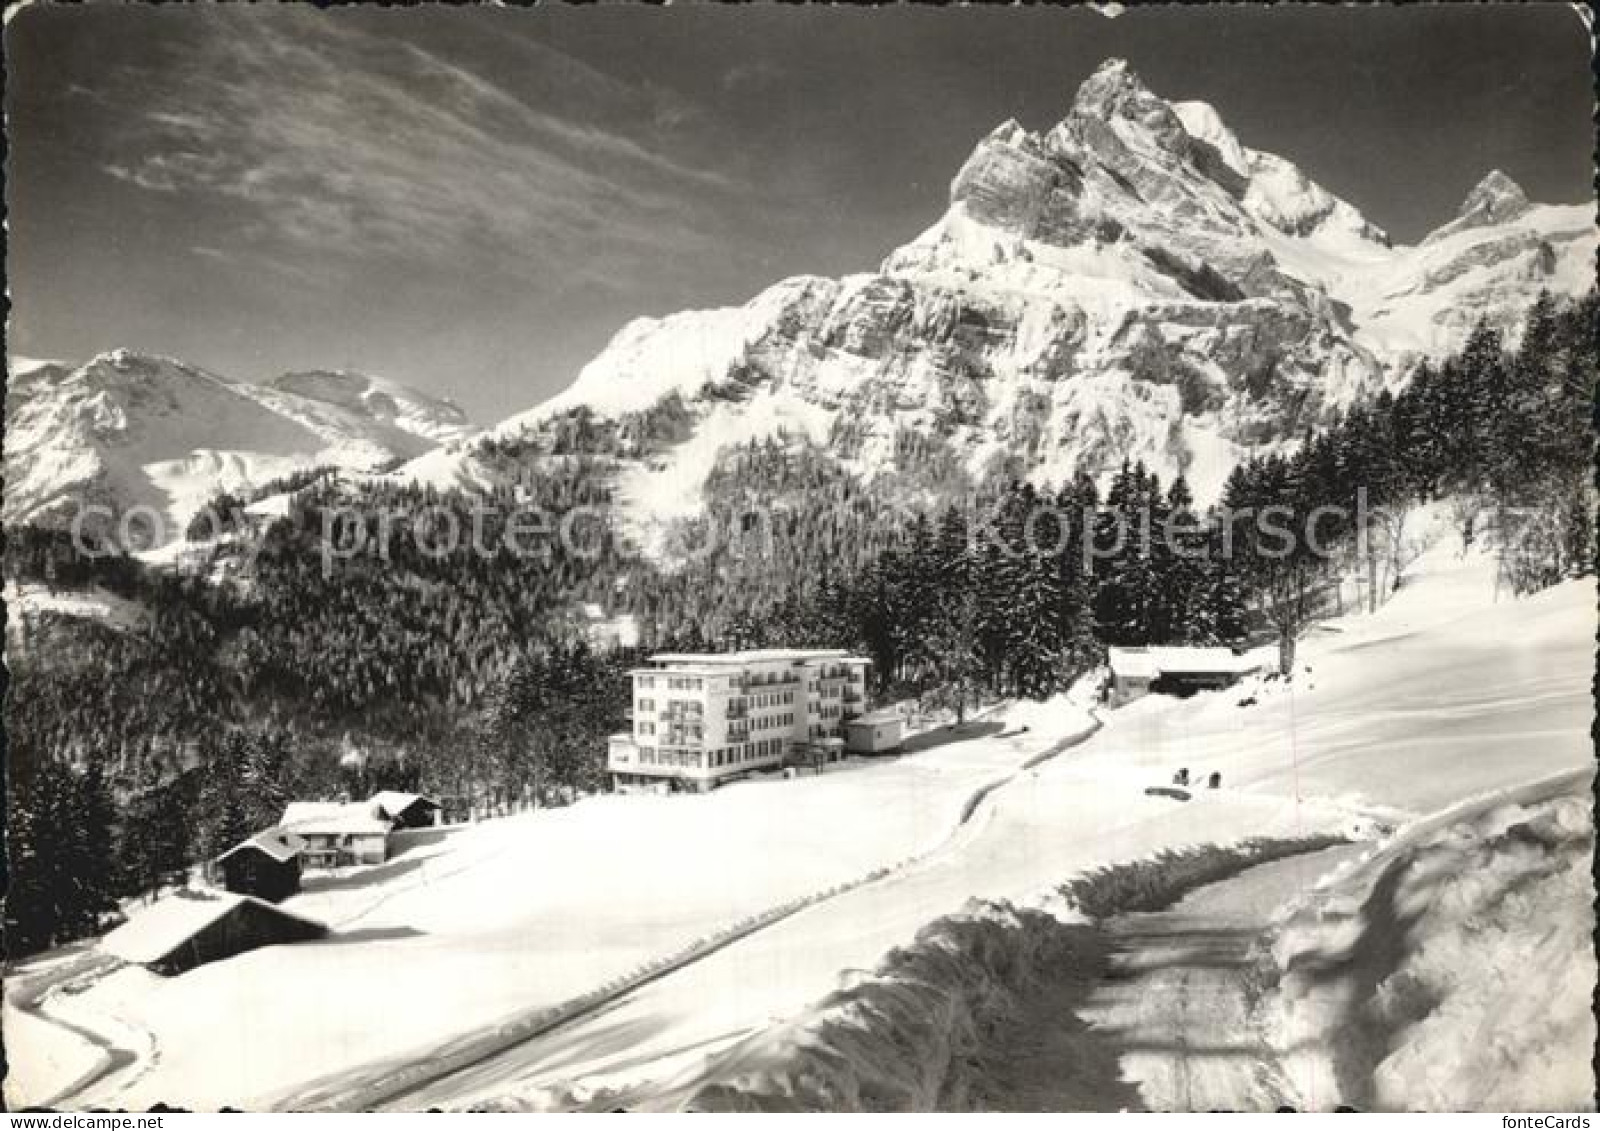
<point x="138" y="748"/>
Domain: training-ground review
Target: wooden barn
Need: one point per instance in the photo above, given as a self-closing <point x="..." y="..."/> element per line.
<point x="266" y="866"/>
<point x="192" y="928"/>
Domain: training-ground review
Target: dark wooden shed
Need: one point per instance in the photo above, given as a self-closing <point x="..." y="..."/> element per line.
<point x="266" y="866"/>
<point x="406" y="810"/>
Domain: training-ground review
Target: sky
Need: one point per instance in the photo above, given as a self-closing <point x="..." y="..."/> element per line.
<point x="474" y="200"/>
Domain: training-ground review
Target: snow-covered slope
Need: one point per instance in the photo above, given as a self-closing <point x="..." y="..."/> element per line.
<point x="1134" y="282"/>
<point x="127" y="430"/>
<point x="431" y="418"/>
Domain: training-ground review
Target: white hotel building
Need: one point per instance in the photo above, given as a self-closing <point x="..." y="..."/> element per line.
<point x="700" y="718"/>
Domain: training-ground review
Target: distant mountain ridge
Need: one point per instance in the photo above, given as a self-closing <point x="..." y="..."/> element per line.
<point x="127" y="429"/>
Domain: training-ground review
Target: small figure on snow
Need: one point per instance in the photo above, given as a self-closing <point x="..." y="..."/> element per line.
<point x="1181" y="777"/>
<point x="1214" y="781"/>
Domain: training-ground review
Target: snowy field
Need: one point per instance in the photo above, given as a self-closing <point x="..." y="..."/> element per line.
<point x="1445" y="695"/>
<point x="516" y="914"/>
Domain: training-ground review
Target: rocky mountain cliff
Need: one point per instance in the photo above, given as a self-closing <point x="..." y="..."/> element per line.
<point x="126" y="430"/>
<point x="1135" y="282"/>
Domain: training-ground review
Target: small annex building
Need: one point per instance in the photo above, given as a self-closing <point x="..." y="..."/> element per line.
<point x="1175" y="670"/>
<point x="266" y="865"/>
<point x="406" y="810"/>
<point x="191" y="928"/>
<point x="876" y="732"/>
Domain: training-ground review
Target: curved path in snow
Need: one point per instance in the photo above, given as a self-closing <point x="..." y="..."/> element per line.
<point x="1179" y="998"/>
<point x="31" y="996"/>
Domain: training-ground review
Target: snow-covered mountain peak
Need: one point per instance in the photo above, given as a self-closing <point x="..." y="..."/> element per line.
<point x="128" y="368"/>
<point x="1127" y="174"/>
<point x="387" y="401"/>
<point x="1115" y="91"/>
<point x="1497" y="199"/>
<point x="128" y="429"/>
<point x="1136" y="282"/>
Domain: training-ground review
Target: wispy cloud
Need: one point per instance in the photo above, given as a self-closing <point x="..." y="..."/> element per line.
<point x="752" y="76"/>
<point x="328" y="136"/>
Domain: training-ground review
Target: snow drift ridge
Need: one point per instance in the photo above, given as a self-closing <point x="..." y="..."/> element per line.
<point x="901" y="1039"/>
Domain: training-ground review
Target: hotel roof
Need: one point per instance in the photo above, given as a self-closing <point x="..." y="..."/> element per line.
<point x="876" y="718"/>
<point x="764" y="656"/>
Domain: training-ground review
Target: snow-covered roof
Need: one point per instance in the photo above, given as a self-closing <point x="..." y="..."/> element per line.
<point x="280" y="844"/>
<point x="1152" y="663"/>
<point x="158" y="930"/>
<point x="334" y="817"/>
<point x="1132" y="663"/>
<point x="763" y="656"/>
<point x="391" y="803"/>
<point x="877" y="718"/>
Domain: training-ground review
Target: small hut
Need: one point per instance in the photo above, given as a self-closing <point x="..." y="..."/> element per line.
<point x="266" y="865"/>
<point x="406" y="810"/>
<point x="877" y="732"/>
<point x="1179" y="671"/>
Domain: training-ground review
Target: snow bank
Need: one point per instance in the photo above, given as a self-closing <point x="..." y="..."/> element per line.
<point x="902" y="1039"/>
<point x="1452" y="971"/>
